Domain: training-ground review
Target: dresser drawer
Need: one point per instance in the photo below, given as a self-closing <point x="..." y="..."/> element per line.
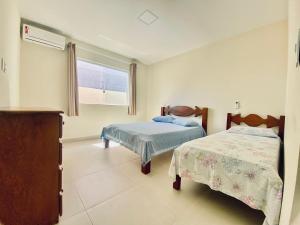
<point x="40" y="177"/>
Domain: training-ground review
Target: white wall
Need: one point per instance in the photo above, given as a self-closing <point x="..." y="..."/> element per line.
<point x="250" y="67"/>
<point x="10" y="51"/>
<point x="44" y="84"/>
<point x="292" y="139"/>
<point x="295" y="217"/>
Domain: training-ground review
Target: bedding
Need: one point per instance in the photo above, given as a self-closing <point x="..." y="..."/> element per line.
<point x="197" y="119"/>
<point x="241" y="165"/>
<point x="163" y="119"/>
<point x="152" y="138"/>
<point x="185" y="122"/>
<point x="257" y="131"/>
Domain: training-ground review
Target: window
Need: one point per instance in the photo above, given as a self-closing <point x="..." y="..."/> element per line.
<point x="101" y="85"/>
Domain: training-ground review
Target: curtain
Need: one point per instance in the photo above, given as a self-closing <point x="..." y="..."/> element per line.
<point x="73" y="102"/>
<point x="132" y="90"/>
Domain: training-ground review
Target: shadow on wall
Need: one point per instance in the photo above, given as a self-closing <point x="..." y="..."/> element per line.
<point x="296" y="204"/>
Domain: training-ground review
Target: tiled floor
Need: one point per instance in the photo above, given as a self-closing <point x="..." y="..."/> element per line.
<point x="106" y="187"/>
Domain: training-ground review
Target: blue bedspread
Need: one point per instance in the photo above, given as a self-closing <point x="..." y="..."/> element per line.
<point x="152" y="138"/>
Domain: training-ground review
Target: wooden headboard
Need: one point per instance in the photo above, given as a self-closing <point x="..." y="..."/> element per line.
<point x="186" y="111"/>
<point x="255" y="120"/>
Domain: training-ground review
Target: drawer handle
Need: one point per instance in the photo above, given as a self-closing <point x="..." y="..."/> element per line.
<point x="60" y="205"/>
<point x="60" y="153"/>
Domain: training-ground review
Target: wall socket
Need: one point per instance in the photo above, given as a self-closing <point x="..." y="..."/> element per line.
<point x="237" y="105"/>
<point x="3" y="65"/>
<point x="297" y="50"/>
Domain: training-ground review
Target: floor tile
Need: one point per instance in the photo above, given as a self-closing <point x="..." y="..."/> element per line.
<point x="98" y="187"/>
<point x="133" y="207"/>
<point x="72" y="203"/>
<point x="90" y="158"/>
<point x="79" y="219"/>
<point x="106" y="187"/>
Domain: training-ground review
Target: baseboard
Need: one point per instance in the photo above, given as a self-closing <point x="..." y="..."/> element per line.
<point x="68" y="140"/>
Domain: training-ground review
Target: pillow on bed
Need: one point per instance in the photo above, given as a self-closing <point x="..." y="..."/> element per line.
<point x="163" y="119"/>
<point x="256" y="131"/>
<point x="186" y="122"/>
<point x="198" y="119"/>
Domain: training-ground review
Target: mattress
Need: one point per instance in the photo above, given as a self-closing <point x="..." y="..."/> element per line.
<point x="151" y="138"/>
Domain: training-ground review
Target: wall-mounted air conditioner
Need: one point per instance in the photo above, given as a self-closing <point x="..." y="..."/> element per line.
<point x="43" y="37"/>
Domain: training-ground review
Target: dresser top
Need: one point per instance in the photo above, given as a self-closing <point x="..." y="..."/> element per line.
<point x="23" y="110"/>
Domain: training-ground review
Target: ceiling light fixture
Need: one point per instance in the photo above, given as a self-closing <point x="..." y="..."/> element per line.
<point x="148" y="17"/>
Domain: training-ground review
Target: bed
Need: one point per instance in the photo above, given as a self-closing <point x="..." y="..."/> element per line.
<point x="242" y="162"/>
<point x="153" y="138"/>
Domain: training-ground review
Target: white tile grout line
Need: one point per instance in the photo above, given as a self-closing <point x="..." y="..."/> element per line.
<point x="134" y="184"/>
<point x="114" y="196"/>
<point x="100" y="170"/>
<point x="108" y="199"/>
<point x="77" y="213"/>
<point x="89" y="217"/>
<point x="85" y="210"/>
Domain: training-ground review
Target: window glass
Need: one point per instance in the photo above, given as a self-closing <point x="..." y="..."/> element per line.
<point x="101" y="85"/>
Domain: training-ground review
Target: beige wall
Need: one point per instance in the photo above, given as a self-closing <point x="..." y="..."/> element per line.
<point x="10" y="51"/>
<point x="292" y="140"/>
<point x="44" y="84"/>
<point x="250" y="68"/>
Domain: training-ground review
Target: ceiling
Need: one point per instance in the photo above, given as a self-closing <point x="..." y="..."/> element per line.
<point x="182" y="25"/>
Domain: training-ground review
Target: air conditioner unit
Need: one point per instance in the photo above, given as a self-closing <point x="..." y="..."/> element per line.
<point x="43" y="37"/>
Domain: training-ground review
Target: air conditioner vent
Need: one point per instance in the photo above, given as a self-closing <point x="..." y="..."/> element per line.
<point x="43" y="37"/>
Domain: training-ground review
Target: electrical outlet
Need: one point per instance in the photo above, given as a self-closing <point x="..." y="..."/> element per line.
<point x="237" y="105"/>
<point x="297" y="50"/>
<point x="3" y="65"/>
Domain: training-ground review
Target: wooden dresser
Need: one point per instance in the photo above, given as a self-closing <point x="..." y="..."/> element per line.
<point x="30" y="166"/>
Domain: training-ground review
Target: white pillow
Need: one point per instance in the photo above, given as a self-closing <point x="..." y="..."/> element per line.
<point x="255" y="131"/>
<point x="197" y="119"/>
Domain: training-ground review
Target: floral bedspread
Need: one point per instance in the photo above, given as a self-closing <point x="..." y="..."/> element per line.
<point x="239" y="165"/>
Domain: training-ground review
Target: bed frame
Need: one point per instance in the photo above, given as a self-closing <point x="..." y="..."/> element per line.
<point x="255" y="120"/>
<point x="184" y="111"/>
<point x="252" y="120"/>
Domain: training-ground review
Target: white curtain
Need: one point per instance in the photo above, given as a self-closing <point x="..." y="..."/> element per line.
<point x="132" y="90"/>
<point x="73" y="102"/>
